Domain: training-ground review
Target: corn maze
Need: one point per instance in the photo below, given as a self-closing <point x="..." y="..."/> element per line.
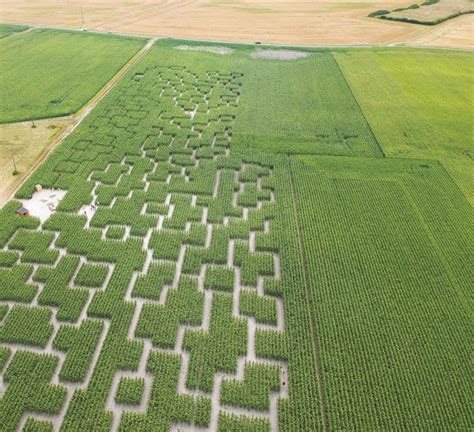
<point x="225" y="244"/>
<point x="148" y="300"/>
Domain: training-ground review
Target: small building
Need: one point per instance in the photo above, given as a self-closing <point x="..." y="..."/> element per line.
<point x="22" y="211"/>
<point x="38" y="188"/>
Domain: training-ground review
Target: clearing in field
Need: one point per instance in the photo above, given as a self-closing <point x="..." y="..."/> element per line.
<point x="49" y="73"/>
<point x="418" y="104"/>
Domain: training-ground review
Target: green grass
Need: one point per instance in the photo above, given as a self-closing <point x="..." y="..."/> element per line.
<point x="49" y="73"/>
<point x="419" y="104"/>
<point x="8" y="29"/>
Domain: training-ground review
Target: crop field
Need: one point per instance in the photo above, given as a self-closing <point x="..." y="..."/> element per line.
<point x="394" y="339"/>
<point x="302" y="106"/>
<point x="49" y="73"/>
<point x="413" y="88"/>
<point x="235" y="248"/>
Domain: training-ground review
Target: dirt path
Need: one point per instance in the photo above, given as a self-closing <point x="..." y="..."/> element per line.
<point x="77" y="119"/>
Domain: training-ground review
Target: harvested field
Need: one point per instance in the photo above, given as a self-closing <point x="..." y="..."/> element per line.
<point x="25" y="143"/>
<point x="279" y="54"/>
<point x="285" y="22"/>
<point x="454" y="33"/>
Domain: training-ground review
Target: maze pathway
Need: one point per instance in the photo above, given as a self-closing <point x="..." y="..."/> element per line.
<point x="150" y="299"/>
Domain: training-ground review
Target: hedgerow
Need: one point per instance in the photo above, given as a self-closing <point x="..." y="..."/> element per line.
<point x="115" y="232"/>
<point x="169" y="407"/>
<point x="8" y="258"/>
<point x="216" y="349"/>
<point x="56" y="292"/>
<point x="35" y="246"/>
<point x="4" y="355"/>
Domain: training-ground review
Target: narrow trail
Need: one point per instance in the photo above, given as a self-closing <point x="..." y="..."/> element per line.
<point x="77" y="120"/>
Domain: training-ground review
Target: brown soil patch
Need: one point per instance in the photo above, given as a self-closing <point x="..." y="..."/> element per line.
<point x="279" y="54"/>
<point x="25" y="143"/>
<point x="338" y="22"/>
<point x="210" y="49"/>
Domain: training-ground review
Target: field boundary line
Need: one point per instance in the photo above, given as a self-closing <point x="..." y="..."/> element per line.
<point x="360" y="108"/>
<point x="309" y="305"/>
<point x="78" y="118"/>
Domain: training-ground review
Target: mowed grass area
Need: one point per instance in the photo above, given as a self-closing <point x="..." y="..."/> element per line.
<point x="419" y="104"/>
<point x="50" y="73"/>
<point x="388" y="246"/>
<point x="8" y="29"/>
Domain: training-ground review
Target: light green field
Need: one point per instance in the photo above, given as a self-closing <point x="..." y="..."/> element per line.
<point x="48" y="73"/>
<point x="419" y="104"/>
